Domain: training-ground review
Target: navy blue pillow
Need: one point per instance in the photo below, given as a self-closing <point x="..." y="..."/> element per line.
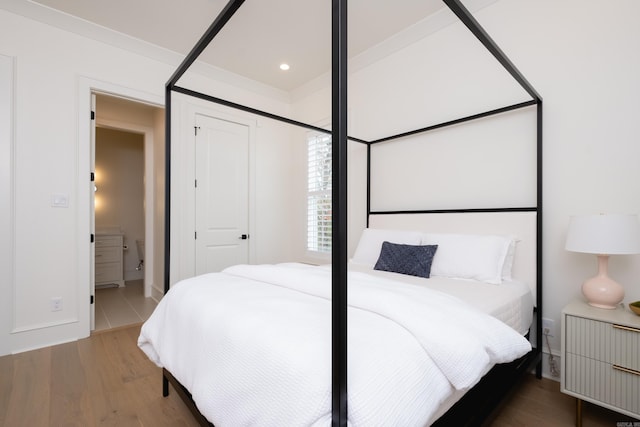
<point x="406" y="259"/>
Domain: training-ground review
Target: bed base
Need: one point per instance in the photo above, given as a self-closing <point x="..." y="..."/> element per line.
<point x="476" y="407"/>
<point x="480" y="404"/>
<point x="184" y="395"/>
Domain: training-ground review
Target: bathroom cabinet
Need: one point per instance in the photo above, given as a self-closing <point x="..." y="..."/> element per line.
<point x="108" y="260"/>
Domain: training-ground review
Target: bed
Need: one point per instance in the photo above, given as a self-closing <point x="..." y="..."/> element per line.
<point x="470" y="401"/>
<point x="252" y="343"/>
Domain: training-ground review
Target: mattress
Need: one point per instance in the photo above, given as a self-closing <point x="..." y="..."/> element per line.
<point x="510" y="302"/>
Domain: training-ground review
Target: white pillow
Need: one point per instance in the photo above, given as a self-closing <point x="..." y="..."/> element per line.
<point x="370" y="244"/>
<point x="469" y="256"/>
<point x="508" y="260"/>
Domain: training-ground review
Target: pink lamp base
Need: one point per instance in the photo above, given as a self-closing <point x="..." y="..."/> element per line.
<point x="602" y="292"/>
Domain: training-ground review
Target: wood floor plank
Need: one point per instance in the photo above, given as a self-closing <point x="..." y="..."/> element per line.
<point x="29" y="401"/>
<point x="100" y="381"/>
<point x="155" y="410"/>
<point x="6" y="384"/>
<point x="128" y="361"/>
<point x="107" y="375"/>
<point x="70" y="395"/>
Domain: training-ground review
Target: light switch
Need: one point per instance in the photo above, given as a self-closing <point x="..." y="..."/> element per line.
<point x="59" y="200"/>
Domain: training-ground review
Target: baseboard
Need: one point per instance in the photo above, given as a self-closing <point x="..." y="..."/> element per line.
<point x="133" y="275"/>
<point x="156" y="293"/>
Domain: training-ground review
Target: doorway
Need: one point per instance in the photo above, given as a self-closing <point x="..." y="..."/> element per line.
<point x="126" y="216"/>
<point x="119" y="225"/>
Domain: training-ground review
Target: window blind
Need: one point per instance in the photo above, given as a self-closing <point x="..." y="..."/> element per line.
<point x="319" y="193"/>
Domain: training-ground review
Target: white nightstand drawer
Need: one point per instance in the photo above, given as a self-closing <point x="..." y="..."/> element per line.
<point x="603" y="382"/>
<point x="604" y="341"/>
<point x="626" y="348"/>
<point x="590" y="338"/>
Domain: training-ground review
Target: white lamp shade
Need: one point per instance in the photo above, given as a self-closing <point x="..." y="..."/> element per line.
<point x="607" y="234"/>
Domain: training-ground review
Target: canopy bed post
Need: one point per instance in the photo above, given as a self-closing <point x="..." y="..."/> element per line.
<point x="368" y="183"/>
<point x="539" y="236"/>
<point x="339" y="212"/>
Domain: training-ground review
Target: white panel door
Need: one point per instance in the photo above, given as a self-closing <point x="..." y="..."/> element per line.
<point x="222" y="194"/>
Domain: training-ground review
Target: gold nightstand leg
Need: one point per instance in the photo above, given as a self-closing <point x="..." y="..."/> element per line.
<point x="578" y="412"/>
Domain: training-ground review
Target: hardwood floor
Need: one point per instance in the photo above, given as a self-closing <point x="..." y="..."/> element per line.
<point x="540" y="403"/>
<point x="105" y="380"/>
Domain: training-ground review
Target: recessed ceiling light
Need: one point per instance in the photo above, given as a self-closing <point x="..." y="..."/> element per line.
<point x="284" y="67"/>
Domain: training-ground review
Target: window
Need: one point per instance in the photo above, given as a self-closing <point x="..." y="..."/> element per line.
<point x="319" y="193"/>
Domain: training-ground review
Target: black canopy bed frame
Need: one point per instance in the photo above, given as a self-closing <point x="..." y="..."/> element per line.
<point x="480" y="401"/>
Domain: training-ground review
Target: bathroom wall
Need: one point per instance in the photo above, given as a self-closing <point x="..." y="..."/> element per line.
<point x="120" y="190"/>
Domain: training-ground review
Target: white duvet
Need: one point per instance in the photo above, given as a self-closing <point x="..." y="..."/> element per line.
<point x="253" y="346"/>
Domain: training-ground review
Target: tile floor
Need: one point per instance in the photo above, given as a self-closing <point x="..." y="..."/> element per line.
<point x="117" y="307"/>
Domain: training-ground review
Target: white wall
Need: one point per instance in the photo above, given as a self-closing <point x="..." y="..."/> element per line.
<point x="582" y="58"/>
<point x="55" y="71"/>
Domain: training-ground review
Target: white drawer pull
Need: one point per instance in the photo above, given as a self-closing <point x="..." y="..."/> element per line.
<point x="627" y="370"/>
<point x="626" y="328"/>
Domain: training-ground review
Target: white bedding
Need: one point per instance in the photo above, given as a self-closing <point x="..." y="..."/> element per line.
<point x="252" y="345"/>
<point x="510" y="302"/>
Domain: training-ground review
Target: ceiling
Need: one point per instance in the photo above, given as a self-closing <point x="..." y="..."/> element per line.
<point x="262" y="34"/>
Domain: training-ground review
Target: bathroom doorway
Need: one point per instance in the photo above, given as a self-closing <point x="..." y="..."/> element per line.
<point x="127" y="185"/>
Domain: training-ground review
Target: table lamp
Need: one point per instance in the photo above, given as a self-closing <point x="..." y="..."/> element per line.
<point x="603" y="235"/>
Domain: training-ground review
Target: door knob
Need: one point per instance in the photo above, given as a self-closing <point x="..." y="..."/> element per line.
<point x="244" y="237"/>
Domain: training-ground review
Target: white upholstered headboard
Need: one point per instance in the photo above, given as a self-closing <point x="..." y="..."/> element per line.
<point x="519" y="224"/>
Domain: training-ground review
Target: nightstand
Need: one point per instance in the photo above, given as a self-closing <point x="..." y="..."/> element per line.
<point x="601" y="357"/>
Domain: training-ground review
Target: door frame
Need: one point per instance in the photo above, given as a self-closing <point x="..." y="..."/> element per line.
<point x="84" y="279"/>
<point x="7" y="197"/>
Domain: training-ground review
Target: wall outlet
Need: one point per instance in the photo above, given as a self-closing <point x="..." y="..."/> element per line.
<point x="56" y="304"/>
<point x="548" y="327"/>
